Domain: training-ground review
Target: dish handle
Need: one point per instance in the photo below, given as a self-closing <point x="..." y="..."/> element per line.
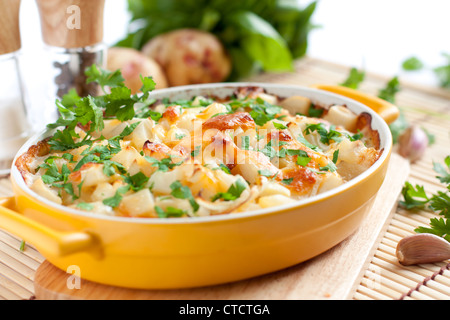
<point x="383" y="108"/>
<point x="55" y="242"/>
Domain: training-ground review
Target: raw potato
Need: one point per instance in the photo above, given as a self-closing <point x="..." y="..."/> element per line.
<point x="189" y="56"/>
<point x="133" y="63"/>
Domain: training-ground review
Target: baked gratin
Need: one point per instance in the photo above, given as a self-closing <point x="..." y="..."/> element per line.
<point x="206" y="156"/>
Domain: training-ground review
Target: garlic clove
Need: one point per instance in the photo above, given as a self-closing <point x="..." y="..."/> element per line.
<point x="412" y="143"/>
<point x="422" y="248"/>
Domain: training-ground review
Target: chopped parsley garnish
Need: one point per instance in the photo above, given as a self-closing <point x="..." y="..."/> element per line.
<point x="260" y="110"/>
<point x="169" y="212"/>
<point x="164" y="164"/>
<point x="233" y="192"/>
<point x="90" y="111"/>
<point x="245" y="142"/>
<point x="335" y="156"/>
<point x="196" y="151"/>
<point x="115" y="200"/>
<point x="266" y="173"/>
<point x="184" y="192"/>
<point x="315" y="112"/>
<point x="136" y="182"/>
<point x="354" y="78"/>
<point x="325" y="135"/>
<point x="85" y="206"/>
<point x="331" y="167"/>
<point x="279" y="126"/>
<point x="179" y="136"/>
<point x="287" y="181"/>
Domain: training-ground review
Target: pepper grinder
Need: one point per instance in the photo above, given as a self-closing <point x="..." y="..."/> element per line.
<point x="14" y="125"/>
<point x="72" y="31"/>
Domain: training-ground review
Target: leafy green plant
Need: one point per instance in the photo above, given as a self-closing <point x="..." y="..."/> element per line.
<point x="258" y="34"/>
<point x="415" y="197"/>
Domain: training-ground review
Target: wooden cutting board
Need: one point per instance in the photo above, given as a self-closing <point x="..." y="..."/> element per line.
<point x="334" y="274"/>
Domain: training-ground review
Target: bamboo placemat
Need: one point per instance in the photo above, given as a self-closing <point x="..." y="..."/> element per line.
<point x="385" y="278"/>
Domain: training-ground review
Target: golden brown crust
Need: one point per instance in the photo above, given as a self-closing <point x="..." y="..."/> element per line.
<point x="364" y="125"/>
<point x="40" y="149"/>
<point x="233" y="121"/>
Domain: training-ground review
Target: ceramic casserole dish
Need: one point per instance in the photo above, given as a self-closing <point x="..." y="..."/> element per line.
<point x="165" y="253"/>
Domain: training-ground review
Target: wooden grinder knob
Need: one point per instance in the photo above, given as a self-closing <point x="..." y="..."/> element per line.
<point x="9" y="26"/>
<point x="71" y="23"/>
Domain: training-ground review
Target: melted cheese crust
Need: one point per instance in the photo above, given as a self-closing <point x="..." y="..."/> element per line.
<point x="209" y="160"/>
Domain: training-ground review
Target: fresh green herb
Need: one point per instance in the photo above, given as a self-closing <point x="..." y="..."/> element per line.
<point x="183" y="192"/>
<point x="325" y="135"/>
<point x="302" y="156"/>
<point x="262" y="111"/>
<point x="169" y="212"/>
<point x="315" y="112"/>
<point x="267" y="35"/>
<point x="115" y="200"/>
<point x="303" y="161"/>
<point x="439" y="202"/>
<point x="136" y="182"/>
<point x="196" y="151"/>
<point x="335" y="156"/>
<point x="412" y="64"/>
<point x="287" y="181"/>
<point x="354" y="78"/>
<point x="90" y="111"/>
<point x="308" y="144"/>
<point x="268" y="150"/>
<point x="224" y="168"/>
<point x="110" y="168"/>
<point x="164" y="164"/>
<point x="179" y="136"/>
<point x="233" y="192"/>
<point x="245" y="142"/>
<point x="85" y="206"/>
<point x="104" y="78"/>
<point x="266" y="173"/>
<point x="356" y="136"/>
<point x="279" y="126"/>
<point x="331" y="167"/>
<point x="444" y="174"/>
<point x="389" y="92"/>
<point x="22" y="246"/>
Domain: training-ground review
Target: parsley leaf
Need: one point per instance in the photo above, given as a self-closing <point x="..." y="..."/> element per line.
<point x="104" y="77"/>
<point x="245" y="142"/>
<point x="137" y="181"/>
<point x="325" y="135"/>
<point x="184" y="192"/>
<point x="392" y="87"/>
<point x="169" y="212"/>
<point x="279" y="126"/>
<point x="444" y="174"/>
<point x="164" y="164"/>
<point x="412" y="63"/>
<point x="354" y="78"/>
<point x="414" y="197"/>
<point x="115" y="200"/>
<point x="335" y="156"/>
<point x="233" y="192"/>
